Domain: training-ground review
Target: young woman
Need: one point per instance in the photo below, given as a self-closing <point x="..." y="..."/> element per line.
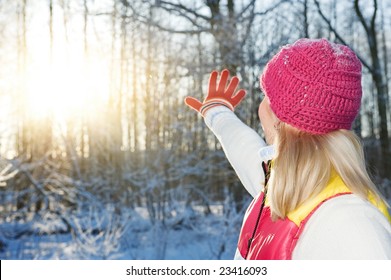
<point x="313" y="198"/>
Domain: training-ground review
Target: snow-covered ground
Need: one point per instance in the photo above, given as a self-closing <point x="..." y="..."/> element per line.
<point x="105" y="234"/>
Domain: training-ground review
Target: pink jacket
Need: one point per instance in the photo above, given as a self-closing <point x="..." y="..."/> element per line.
<point x="262" y="239"/>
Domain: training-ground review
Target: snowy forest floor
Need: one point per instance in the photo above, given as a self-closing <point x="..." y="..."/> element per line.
<point x="104" y="234"/>
<point x="96" y="231"/>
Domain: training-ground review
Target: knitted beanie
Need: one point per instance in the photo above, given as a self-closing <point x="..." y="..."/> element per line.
<point x="314" y="85"/>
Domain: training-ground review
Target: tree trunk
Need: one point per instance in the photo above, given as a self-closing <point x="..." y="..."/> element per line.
<point x="381" y="88"/>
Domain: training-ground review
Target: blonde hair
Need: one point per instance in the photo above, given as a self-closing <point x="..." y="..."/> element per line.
<point x="304" y="163"/>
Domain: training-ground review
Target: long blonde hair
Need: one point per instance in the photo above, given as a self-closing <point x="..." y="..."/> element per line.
<point x="304" y="163"/>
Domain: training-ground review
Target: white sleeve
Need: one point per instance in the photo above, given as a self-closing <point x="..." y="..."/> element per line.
<point x="242" y="146"/>
<point x="345" y="227"/>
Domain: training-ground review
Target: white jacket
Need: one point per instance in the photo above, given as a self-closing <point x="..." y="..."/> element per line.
<point x="345" y="227"/>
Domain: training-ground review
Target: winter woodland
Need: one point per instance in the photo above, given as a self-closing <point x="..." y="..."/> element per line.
<point x="99" y="156"/>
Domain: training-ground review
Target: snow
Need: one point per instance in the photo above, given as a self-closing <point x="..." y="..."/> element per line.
<point x="131" y="234"/>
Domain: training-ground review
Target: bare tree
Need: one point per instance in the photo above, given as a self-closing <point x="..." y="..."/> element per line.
<point x="374" y="67"/>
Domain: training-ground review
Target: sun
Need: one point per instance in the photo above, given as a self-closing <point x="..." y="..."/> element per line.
<point x="65" y="88"/>
<point x="61" y="78"/>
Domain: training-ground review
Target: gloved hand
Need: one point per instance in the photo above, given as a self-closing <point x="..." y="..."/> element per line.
<point x="222" y="94"/>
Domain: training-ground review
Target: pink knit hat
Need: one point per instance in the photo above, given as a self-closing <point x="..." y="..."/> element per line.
<point x="314" y="85"/>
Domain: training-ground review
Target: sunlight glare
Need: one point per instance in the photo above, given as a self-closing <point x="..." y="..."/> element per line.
<point x="65" y="89"/>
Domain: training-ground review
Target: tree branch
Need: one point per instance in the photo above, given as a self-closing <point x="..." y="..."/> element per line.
<point x="374" y="15"/>
<point x="149" y="21"/>
<point x="182" y="14"/>
<point x="360" y="16"/>
<point x="252" y="15"/>
<point x="182" y="8"/>
<point x="339" y="37"/>
<point x="271" y="8"/>
<point x="251" y="4"/>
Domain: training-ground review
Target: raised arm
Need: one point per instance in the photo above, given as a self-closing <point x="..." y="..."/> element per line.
<point x="244" y="148"/>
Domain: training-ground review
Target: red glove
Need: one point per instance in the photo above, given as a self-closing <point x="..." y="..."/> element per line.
<point x="223" y="94"/>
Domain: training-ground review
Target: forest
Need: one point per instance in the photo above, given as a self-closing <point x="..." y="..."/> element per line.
<point x="99" y="156"/>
